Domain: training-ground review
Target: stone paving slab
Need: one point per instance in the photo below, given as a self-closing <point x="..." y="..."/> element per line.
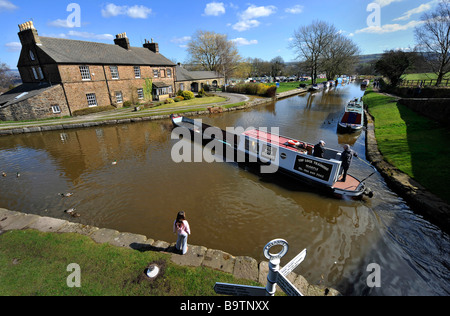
<point x="127" y="240"/>
<point x="219" y="260"/>
<point x="47" y="224"/>
<point x="246" y="268"/>
<point x="21" y="221"/>
<point x="104" y="235"/>
<point x="193" y="258"/>
<point x="77" y="228"/>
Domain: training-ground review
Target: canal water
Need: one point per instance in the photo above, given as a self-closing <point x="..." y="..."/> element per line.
<point x="123" y="177"/>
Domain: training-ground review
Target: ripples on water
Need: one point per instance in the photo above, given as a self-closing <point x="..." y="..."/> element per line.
<point x="230" y="208"/>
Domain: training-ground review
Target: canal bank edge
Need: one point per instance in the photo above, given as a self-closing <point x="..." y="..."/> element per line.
<point x="424" y="202"/>
<point x="53" y="126"/>
<point x="241" y="267"/>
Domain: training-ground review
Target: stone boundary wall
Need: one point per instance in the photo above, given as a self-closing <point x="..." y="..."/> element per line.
<point x="198" y="256"/>
<point x="435" y="109"/>
<point x="424" y="202"/>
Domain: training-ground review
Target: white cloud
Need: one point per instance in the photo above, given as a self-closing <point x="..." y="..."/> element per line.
<point x="90" y="35"/>
<point x="135" y="12"/>
<point x="181" y="41"/>
<point x="254" y="12"/>
<point x="138" y="12"/>
<point x="60" y="23"/>
<point x="13" y="46"/>
<point x="384" y="3"/>
<point x="297" y="9"/>
<point x="420" y="9"/>
<point x="6" y="5"/>
<point x="215" y="9"/>
<point x="389" y="28"/>
<point x="244" y="42"/>
<point x="245" y="25"/>
<point x="247" y="18"/>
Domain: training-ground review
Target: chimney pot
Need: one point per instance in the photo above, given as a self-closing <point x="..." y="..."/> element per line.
<point x="122" y="41"/>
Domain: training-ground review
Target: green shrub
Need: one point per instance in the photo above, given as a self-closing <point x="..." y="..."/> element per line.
<point x="178" y="99"/>
<point x="187" y="95"/>
<point x="168" y="101"/>
<point x="127" y="104"/>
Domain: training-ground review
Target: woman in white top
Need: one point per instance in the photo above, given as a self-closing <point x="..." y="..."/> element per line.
<point x="182" y="229"/>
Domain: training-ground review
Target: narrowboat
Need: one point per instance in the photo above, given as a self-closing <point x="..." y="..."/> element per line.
<point x="353" y="118"/>
<point x="285" y="156"/>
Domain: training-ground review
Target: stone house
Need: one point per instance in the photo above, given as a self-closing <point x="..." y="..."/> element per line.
<point x="61" y="76"/>
<point x="195" y="80"/>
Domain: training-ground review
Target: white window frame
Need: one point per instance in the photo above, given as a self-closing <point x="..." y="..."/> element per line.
<point x="140" y="93"/>
<point x="85" y="73"/>
<point x="119" y="97"/>
<point x="137" y="72"/>
<point x="56" y="109"/>
<point x="91" y="100"/>
<point x="114" y="72"/>
<point x="155" y="73"/>
<point x="169" y="73"/>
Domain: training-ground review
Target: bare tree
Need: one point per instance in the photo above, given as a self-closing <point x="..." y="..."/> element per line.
<point x="340" y="56"/>
<point x="310" y="42"/>
<point x="5" y="77"/>
<point x="277" y="66"/>
<point x="214" y="52"/>
<point x="433" y="39"/>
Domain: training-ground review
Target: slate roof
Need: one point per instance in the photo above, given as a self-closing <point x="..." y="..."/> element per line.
<point x="65" y="51"/>
<point x="22" y="92"/>
<point x="186" y="75"/>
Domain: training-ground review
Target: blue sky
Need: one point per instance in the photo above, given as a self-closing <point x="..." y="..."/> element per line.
<point x="260" y="28"/>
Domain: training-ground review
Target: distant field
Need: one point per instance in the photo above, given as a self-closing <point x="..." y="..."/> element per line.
<point x="423" y="76"/>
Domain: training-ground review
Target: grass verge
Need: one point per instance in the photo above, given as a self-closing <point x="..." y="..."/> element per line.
<point x="33" y="263"/>
<point x="416" y="145"/>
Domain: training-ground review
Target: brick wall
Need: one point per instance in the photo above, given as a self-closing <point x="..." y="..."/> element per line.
<point x="105" y="90"/>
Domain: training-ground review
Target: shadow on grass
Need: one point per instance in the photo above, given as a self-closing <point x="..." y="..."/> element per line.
<point x="429" y="147"/>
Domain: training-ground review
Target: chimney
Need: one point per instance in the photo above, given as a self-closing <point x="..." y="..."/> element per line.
<point x="154" y="47"/>
<point x="122" y="40"/>
<point x="28" y="34"/>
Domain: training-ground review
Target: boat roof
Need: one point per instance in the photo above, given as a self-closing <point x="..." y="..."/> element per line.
<point x="273" y="139"/>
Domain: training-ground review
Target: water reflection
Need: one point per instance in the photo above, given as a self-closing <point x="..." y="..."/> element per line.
<point x="230" y="208"/>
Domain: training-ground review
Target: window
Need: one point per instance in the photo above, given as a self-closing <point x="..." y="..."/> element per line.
<point x="182" y="86"/>
<point x="35" y="73"/>
<point x="32" y="57"/>
<point x="163" y="73"/>
<point x="140" y="93"/>
<point x="114" y="72"/>
<point x="56" y="109"/>
<point x="119" y="98"/>
<point x="169" y="73"/>
<point x="85" y="73"/>
<point x="40" y="73"/>
<point x="155" y="73"/>
<point x="91" y="99"/>
<point x="137" y="72"/>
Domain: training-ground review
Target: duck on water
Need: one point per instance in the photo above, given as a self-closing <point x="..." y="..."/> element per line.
<point x="282" y="155"/>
